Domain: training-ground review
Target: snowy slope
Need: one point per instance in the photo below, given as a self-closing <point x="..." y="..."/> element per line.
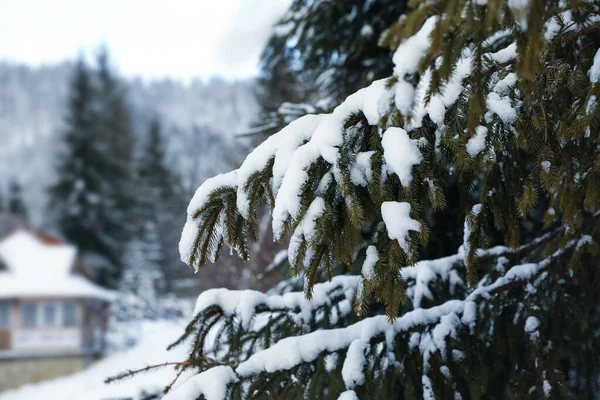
<point x="199" y="119"/>
<point x="89" y="385"/>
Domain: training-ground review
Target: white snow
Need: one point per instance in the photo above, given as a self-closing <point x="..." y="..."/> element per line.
<point x="35" y="268"/>
<point x="89" y="383"/>
<point x="406" y="61"/>
<point x="505" y="55"/>
<point x="348" y="395"/>
<point x="366" y="30"/>
<point x="212" y="384"/>
<point x="547" y="388"/>
<point x="368" y="267"/>
<point x="531" y="326"/>
<point x="594" y="71"/>
<point x="546" y="166"/>
<point x="501" y="106"/>
<point x="476" y="144"/>
<point x="444" y="320"/>
<point x="243" y="303"/>
<point x="353" y="368"/>
<point x="324" y="143"/>
<point x="521" y="11"/>
<point x="361" y="172"/>
<point x="401" y="153"/>
<point x="398" y="222"/>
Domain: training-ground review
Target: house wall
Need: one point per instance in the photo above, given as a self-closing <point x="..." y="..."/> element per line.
<point x="40" y="353"/>
<point x="5" y="331"/>
<point x="17" y="372"/>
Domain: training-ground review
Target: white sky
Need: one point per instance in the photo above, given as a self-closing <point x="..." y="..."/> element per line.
<point x="147" y="38"/>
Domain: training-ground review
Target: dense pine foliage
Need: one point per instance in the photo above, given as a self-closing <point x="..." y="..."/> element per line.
<point x="493" y="104"/>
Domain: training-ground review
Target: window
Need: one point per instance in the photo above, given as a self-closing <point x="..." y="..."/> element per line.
<point x="50" y="314"/>
<point x="29" y="315"/>
<point x="5" y="315"/>
<point x="69" y="314"/>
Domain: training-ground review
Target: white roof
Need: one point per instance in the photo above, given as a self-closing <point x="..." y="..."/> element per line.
<point x="35" y="268"/>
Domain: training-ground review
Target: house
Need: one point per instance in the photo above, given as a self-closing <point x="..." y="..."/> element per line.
<point x="52" y="317"/>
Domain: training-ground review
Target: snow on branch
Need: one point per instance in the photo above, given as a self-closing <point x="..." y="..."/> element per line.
<point x="426" y="330"/>
<point x="372" y="171"/>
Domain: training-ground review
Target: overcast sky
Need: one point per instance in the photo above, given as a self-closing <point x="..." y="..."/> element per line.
<point x="148" y="38"/>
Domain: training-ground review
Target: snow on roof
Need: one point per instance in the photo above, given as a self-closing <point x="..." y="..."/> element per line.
<point x="35" y="268"/>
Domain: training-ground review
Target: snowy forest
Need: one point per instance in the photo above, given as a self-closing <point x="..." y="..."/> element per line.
<point x="403" y="203"/>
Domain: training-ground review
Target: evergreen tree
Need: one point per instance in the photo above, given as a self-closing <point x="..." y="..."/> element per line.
<point x="142" y="279"/>
<point x="116" y="138"/>
<point x="15" y="200"/>
<point x="77" y="198"/>
<point x="158" y="202"/>
<point x="499" y="96"/>
<point x="93" y="194"/>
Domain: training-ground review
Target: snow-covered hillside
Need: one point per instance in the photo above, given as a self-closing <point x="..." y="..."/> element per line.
<point x="200" y="121"/>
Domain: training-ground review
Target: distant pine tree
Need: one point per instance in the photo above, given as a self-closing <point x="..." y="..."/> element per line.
<point x="116" y="138"/>
<point x="16" y="206"/>
<point x="159" y="199"/>
<point x="93" y="194"/>
<point x="142" y="280"/>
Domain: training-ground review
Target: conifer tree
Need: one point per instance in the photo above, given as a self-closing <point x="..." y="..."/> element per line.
<point x="158" y="200"/>
<point x="116" y="137"/>
<point x="90" y="200"/>
<point x="16" y="206"/>
<point x="499" y="96"/>
<point x="76" y="199"/>
<point x="142" y="281"/>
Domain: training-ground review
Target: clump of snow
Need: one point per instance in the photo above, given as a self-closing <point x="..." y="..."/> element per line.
<point x="212" y="384"/>
<point x="243" y="303"/>
<point x="361" y="172"/>
<point x="398" y="222"/>
<point x="353" y="368"/>
<point x="368" y="267"/>
<point x="505" y="55"/>
<point x="306" y="229"/>
<point x="594" y="71"/>
<point x="521" y="11"/>
<point x="546" y="166"/>
<point x="531" y="326"/>
<point x="401" y="153"/>
<point x="406" y="61"/>
<point x="547" y="388"/>
<point x="585" y="239"/>
<point x="506" y="83"/>
<point x="476" y="144"/>
<point x="439" y="102"/>
<point x="366" y="30"/>
<point x="348" y="395"/>
<point x="501" y="106"/>
<point x="427" y="388"/>
<point x="324" y="143"/>
<point x="426" y="271"/>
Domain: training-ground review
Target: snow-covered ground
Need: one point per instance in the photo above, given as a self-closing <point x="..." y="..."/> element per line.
<point x="89" y="383"/>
